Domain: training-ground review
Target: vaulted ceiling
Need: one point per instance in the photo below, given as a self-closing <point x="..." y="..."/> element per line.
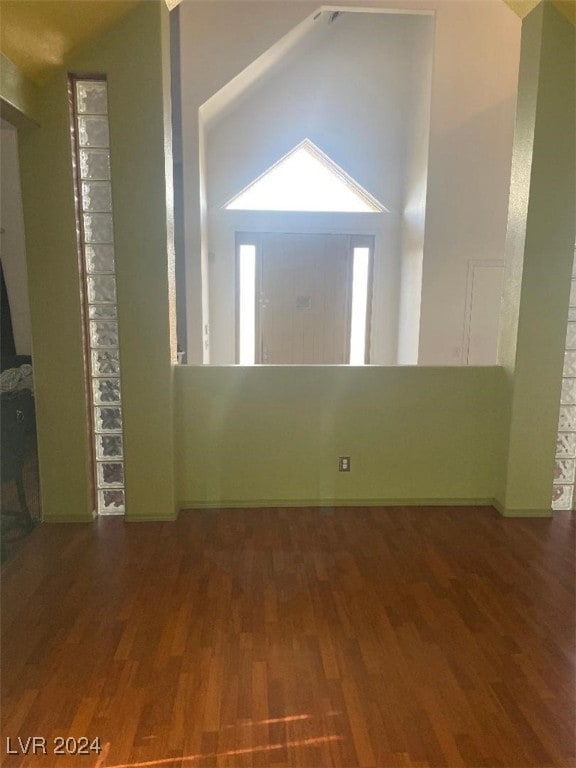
<point x="523" y="7"/>
<point x="39" y="35"/>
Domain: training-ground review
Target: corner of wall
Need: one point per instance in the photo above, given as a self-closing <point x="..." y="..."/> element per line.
<point x="540" y="253"/>
<point x="19" y="96"/>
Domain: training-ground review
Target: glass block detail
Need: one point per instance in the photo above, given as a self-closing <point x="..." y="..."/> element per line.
<point x="110" y="474"/>
<point x="109" y="447"/>
<point x="102" y="312"/>
<point x="562" y="497"/>
<point x="95" y="164"/>
<point x="97" y="196"/>
<point x="566" y="445"/>
<point x="93" y="131"/>
<point x="567" y="420"/>
<point x="101" y="289"/>
<point x="91" y="97"/>
<point x="564" y="470"/>
<point x="111" y="502"/>
<point x="98" y="228"/>
<point x="99" y="258"/>
<point x="565" y="465"/>
<point x="571" y="336"/>
<point x="106" y="390"/>
<point x="568" y="395"/>
<point x="573" y="293"/>
<point x="108" y="419"/>
<point x="570" y="363"/>
<point x="103" y="333"/>
<point x="105" y="362"/>
<point x="96" y="223"/>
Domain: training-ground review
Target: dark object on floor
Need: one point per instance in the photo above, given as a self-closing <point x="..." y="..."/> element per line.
<point x="17" y="425"/>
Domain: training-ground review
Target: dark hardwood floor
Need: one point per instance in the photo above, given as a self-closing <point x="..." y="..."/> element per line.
<point x="380" y="638"/>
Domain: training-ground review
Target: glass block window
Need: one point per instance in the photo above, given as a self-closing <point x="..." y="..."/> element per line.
<point x="565" y="463"/>
<point x="89" y="98"/>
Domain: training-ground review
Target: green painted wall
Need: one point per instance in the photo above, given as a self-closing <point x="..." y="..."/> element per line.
<point x="132" y="55"/>
<point x="540" y="250"/>
<point x="274" y="434"/>
<point x="50" y="228"/>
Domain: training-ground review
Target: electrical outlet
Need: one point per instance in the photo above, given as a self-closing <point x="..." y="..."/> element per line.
<point x="344" y="464"/>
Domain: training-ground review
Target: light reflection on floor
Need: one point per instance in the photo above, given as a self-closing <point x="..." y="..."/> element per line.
<point x="229" y="753"/>
<point x="189" y="759"/>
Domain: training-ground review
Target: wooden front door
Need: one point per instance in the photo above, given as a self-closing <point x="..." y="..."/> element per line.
<point x="303" y="299"/>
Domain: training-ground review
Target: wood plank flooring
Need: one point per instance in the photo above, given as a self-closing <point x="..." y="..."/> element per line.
<point x="381" y="638"/>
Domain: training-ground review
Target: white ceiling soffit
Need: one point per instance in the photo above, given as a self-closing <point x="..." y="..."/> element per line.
<point x="305" y="180"/>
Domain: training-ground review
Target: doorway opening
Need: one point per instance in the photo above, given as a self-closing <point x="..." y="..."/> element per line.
<point x="303" y="299"/>
<point x="21" y="500"/>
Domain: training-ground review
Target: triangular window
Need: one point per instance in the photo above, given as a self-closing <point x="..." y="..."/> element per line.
<point x="305" y="180"/>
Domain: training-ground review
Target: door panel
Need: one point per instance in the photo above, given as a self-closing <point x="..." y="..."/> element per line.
<point x="303" y="303"/>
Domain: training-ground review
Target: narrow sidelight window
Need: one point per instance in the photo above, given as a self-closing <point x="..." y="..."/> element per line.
<point x="247" y="303"/>
<point x="358" y="320"/>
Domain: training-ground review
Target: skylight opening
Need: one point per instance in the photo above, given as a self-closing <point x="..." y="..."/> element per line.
<point x="305" y="180"/>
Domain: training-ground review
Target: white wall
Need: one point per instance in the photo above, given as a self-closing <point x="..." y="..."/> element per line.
<point x="350" y="86"/>
<point x="476" y="59"/>
<point x="474" y="79"/>
<point x="13" y="248"/>
<point x="414" y="208"/>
